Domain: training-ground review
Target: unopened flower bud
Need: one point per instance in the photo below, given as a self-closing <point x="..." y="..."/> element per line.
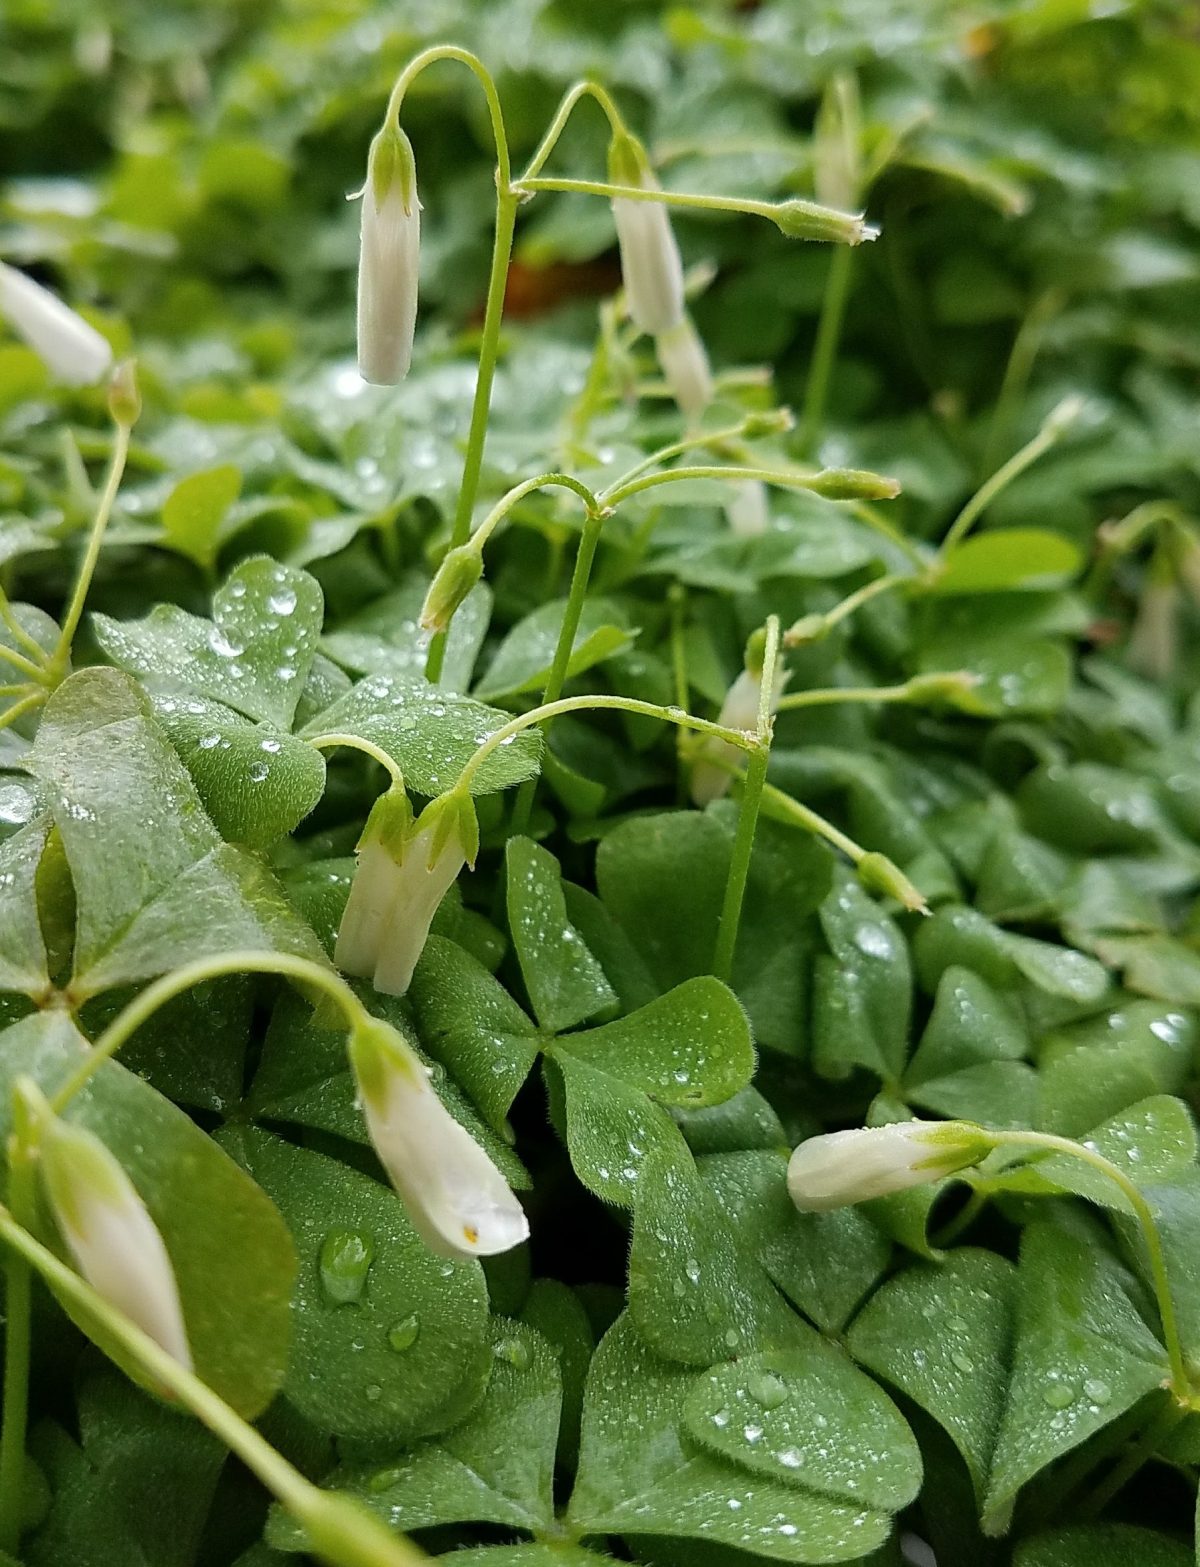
<point x="747" y="508"/>
<point x="458" y="1201"/>
<point x="949" y="685"/>
<point x="800" y="219"/>
<point x="837" y="160"/>
<point x="73" y="351"/>
<point x="712" y="772"/>
<point x="114" y="1242"/>
<point x="650" y="262"/>
<point x="405" y="869"/>
<point x="880" y="875"/>
<point x="840" y="1168"/>
<point x="124" y="395"/>
<point x="389" y="260"/>
<point x="768" y="421"/>
<point x="685" y="368"/>
<point x="853" y="484"/>
<point x="452" y="581"/>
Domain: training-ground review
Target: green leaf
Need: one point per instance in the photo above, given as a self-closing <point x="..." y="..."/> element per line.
<point x="1094" y="1069"/>
<point x="522" y="661"/>
<point x="385" y="1334"/>
<point x="254" y="655"/>
<point x="1102" y="1545"/>
<point x="957" y="935"/>
<point x="1083" y="1356"/>
<point x="610" y="1128"/>
<point x="494" y="1467"/>
<point x="1149" y="1142"/>
<point x="430" y="734"/>
<point x="638" y="1472"/>
<point x="155" y="886"/>
<point x="941" y="1334"/>
<point x="108" y="1490"/>
<point x="823" y="1262"/>
<point x="696" y="1292"/>
<point x="566" y="984"/>
<point x="747" y="1120"/>
<point x="257" y="783"/>
<point x="870" y="987"/>
<point x="469" y="1022"/>
<point x="1015" y="674"/>
<point x="229" y="1248"/>
<point x="385" y="638"/>
<point x="22" y="948"/>
<point x="691" y="1047"/>
<point x="195" y="510"/>
<point x="1002" y="559"/>
<point x="559" y="1316"/>
<point x="971" y="1024"/>
<point x="807" y="1416"/>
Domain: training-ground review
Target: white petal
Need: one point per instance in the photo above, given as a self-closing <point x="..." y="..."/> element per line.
<point x="458" y="1201"/>
<point x="423" y="880"/>
<point x="112" y="1237"/>
<point x="73" y="351"/>
<point x="747" y="508"/>
<point x="373" y="894"/>
<point x="388" y="263"/>
<point x="650" y="264"/>
<point x="685" y="368"/>
<point x="839" y="1168"/>
<point x="709" y="779"/>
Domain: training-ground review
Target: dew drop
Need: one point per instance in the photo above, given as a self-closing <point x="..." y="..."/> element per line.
<point x="767" y="1389"/>
<point x="514" y="1352"/>
<point x="1099" y="1392"/>
<point x="404" y="1334"/>
<point x="283" y="602"/>
<point x="258" y="771"/>
<point x="346" y="1257"/>
<point x="1059" y="1395"/>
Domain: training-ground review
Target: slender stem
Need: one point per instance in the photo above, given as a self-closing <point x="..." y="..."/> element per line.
<point x="829" y="331"/>
<point x="1051" y="430"/>
<point x="147" y="1002"/>
<point x="57" y="663"/>
<point x="428" y="57"/>
<point x="576" y="595"/>
<point x="1017" y="371"/>
<point x="24" y="638"/>
<point x="841" y="225"/>
<point x="785" y="478"/>
<point x="18" y="1324"/>
<point x="579" y="704"/>
<point x="748" y="808"/>
<point x="364" y="1541"/>
<point x="19" y="661"/>
<point x="563" y="113"/>
<point x="1144" y="1214"/>
<point x="811" y="627"/>
<point x="830" y="696"/>
<point x="19" y="709"/>
<point x="367" y="747"/>
<point x="782" y="807"/>
<point x="1119" y="538"/>
<point x="689" y="443"/>
<point x="866" y="513"/>
<point x="518" y="493"/>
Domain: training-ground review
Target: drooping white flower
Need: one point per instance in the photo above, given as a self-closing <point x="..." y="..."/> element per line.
<point x="711" y="775"/>
<point x="747" y="509"/>
<point x="1154" y="640"/>
<point x="388" y="260"/>
<point x="109" y="1233"/>
<point x="685" y="368"/>
<point x="405" y="869"/>
<point x="74" y="352"/>
<point x="840" y="1168"/>
<point x="458" y="1201"/>
<point x="650" y="262"/>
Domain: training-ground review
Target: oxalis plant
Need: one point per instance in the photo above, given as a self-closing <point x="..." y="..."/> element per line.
<point x="886" y="1280"/>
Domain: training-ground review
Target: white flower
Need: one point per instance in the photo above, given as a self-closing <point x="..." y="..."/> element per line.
<point x="1154" y="640"/>
<point x="458" y="1201"/>
<point x="685" y="368"/>
<point x="747" y="508"/>
<point x="111" y="1236"/>
<point x="840" y="1168"/>
<point x="404" y="871"/>
<point x="711" y="776"/>
<point x="650" y="261"/>
<point x="74" y="352"/>
<point x="388" y="260"/>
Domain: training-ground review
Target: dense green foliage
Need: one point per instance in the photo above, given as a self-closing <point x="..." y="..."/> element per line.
<point x="679" y="1368"/>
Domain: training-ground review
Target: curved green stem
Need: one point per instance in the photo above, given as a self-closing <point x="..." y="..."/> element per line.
<point x="689" y="443"/>
<point x="19" y="709"/>
<point x="57" y="663"/>
<point x="830" y="696"/>
<point x="1145" y="1216"/>
<point x="557" y="678"/>
<point x="562" y="114"/>
<point x="518" y="493"/>
<point x="1119" y="538"/>
<point x="579" y="704"/>
<point x="1017" y="371"/>
<point x="748" y="808"/>
<point x="345" y="1534"/>
<point x="1140" y="1453"/>
<point x="1050" y="432"/>
<point x="19" y="661"/>
<point x="829" y="330"/>
<point x="810" y="628"/>
<point x="327" y="742"/>
<point x="428" y="57"/>
<point x="24" y="639"/>
<point x="866" y="513"/>
<point x="144" y="1005"/>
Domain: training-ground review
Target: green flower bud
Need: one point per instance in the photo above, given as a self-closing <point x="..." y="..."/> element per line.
<point x="880" y="875"/>
<point x="455" y="577"/>
<point x="124" y="396"/>
<point x="853" y="484"/>
<point x="809" y="220"/>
